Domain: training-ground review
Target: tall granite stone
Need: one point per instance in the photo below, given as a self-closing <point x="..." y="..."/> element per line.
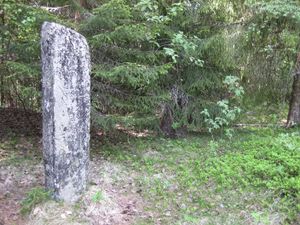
<point x="66" y="110"/>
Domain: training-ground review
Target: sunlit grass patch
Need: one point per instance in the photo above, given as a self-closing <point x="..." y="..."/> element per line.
<point x="189" y="180"/>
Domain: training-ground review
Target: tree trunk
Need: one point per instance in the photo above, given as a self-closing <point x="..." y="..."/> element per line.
<point x="166" y="122"/>
<point x="180" y="103"/>
<point x="2" y="60"/>
<point x="84" y="4"/>
<point x="294" y="110"/>
<point x="2" y="90"/>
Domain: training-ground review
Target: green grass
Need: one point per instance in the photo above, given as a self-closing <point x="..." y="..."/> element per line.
<point x="97" y="197"/>
<point x="34" y="197"/>
<point x="16" y="150"/>
<point x="255" y="176"/>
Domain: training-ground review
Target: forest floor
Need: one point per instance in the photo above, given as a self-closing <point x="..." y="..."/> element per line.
<point x="252" y="178"/>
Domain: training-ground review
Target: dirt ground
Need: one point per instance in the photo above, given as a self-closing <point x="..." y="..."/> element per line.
<point x="111" y="197"/>
<point x="118" y="201"/>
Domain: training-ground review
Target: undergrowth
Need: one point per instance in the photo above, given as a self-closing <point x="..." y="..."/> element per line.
<point x="34" y="197"/>
<point x="267" y="162"/>
<point x="254" y="176"/>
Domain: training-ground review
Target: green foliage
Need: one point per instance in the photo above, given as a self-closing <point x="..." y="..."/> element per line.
<point x="133" y="75"/>
<point x="270" y="43"/>
<point x="142" y="50"/>
<point x="152" y="11"/>
<point x="34" y="197"/>
<point x="24" y="80"/>
<point x="97" y="197"/>
<point x="276" y="9"/>
<point x="107" y="19"/>
<point x="215" y="177"/>
<point x="225" y="113"/>
<point x="182" y="46"/>
<point x="20" y="53"/>
<point x="234" y="87"/>
<point x="268" y="162"/>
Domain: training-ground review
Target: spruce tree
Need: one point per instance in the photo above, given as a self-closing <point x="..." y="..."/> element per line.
<point x="152" y="57"/>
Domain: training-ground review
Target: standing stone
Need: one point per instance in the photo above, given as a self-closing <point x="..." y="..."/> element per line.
<point x="66" y="110"/>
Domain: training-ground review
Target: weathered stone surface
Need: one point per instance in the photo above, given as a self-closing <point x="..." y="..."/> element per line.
<point x="66" y="110"/>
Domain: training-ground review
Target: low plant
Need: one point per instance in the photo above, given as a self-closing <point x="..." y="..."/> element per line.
<point x="270" y="163"/>
<point x="226" y="110"/>
<point x="34" y="197"/>
<point x="97" y="197"/>
<point x="256" y="173"/>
